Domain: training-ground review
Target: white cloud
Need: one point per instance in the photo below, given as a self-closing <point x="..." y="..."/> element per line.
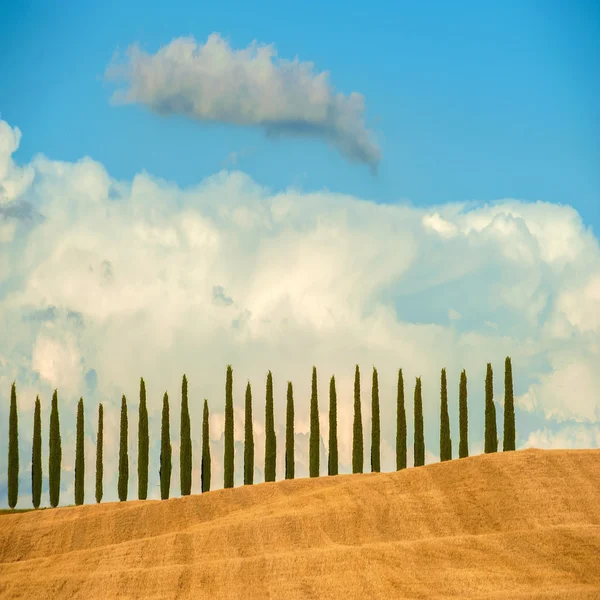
<point x="13" y="180"/>
<point x="213" y="82"/>
<point x="144" y="278"/>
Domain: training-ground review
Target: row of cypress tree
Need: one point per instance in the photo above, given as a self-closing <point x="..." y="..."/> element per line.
<point x="185" y="453"/>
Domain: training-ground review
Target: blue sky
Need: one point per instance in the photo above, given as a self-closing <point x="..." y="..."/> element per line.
<point x="469" y="100"/>
<point x="190" y="239"/>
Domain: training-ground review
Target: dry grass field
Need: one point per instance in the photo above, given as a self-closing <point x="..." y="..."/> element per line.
<point x="520" y="525"/>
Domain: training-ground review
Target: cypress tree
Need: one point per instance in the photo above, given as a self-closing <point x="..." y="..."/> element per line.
<point x="123" y="483"/>
<point x="99" y="452"/>
<point x="289" y="434"/>
<point x="185" y="445"/>
<point x="357" y="434"/>
<point x="205" y="467"/>
<point x="270" y="439"/>
<point x="463" y="449"/>
<point x="79" y="457"/>
<point x="491" y="438"/>
<point x="36" y="455"/>
<point x="445" y="439"/>
<point x="419" y="445"/>
<point x="400" y="425"/>
<point x="164" y="471"/>
<point x="13" y="449"/>
<point x="509" y="408"/>
<point x="55" y="456"/>
<point x="375" y="425"/>
<point x="313" y="446"/>
<point x="332" y="466"/>
<point x="228" y="465"/>
<point x="248" y="440"/>
<point x="143" y="444"/>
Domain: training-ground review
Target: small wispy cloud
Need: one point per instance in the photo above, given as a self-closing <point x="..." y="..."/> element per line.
<point x="251" y="87"/>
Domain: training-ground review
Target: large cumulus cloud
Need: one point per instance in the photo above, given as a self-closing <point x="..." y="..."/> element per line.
<point x="105" y="281"/>
<point x="213" y="82"/>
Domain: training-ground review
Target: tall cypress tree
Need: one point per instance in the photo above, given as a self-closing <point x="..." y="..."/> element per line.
<point x="463" y="449"/>
<point x="289" y="434"/>
<point x="55" y="456"/>
<point x="36" y="455"/>
<point x="228" y="464"/>
<point x="357" y="433"/>
<point x="419" y="446"/>
<point x="205" y="467"/>
<point x="99" y="453"/>
<point x="270" y="439"/>
<point x="248" y="440"/>
<point x="185" y="443"/>
<point x="332" y="466"/>
<point x="400" y="425"/>
<point x="445" y="439"/>
<point x="143" y="444"/>
<point x="313" y="446"/>
<point x="375" y="425"/>
<point x="13" y="449"/>
<point x="491" y="436"/>
<point x="509" y="408"/>
<point x="165" y="451"/>
<point x="79" y="457"/>
<point x="123" y="483"/>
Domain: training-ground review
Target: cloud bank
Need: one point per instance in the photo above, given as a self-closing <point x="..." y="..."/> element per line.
<point x="252" y="87"/>
<point x="104" y="281"/>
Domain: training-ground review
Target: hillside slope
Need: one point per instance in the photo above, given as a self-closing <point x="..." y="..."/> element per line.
<point x="514" y="525"/>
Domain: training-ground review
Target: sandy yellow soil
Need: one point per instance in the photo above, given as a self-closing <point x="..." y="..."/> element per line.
<point x="519" y="525"/>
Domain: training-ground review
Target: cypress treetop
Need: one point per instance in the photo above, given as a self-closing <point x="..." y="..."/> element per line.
<point x="229" y="449"/>
<point x="509" y="408"/>
<point x="143" y="444"/>
<point x="419" y="443"/>
<point x="185" y="446"/>
<point x="55" y="454"/>
<point x="491" y="436"/>
<point x="445" y="440"/>
<point x="270" y="439"/>
<point x="165" y="451"/>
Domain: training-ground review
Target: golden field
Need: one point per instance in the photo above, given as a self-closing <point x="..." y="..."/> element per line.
<point x="516" y="525"/>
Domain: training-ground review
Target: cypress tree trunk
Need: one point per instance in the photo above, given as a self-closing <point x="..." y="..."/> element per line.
<point x="509" y="408"/>
<point x="491" y="437"/>
<point x="143" y="444"/>
<point x="79" y="457"/>
<point x="313" y="446"/>
<point x="357" y="433"/>
<point x="55" y="456"/>
<point x="400" y="425"/>
<point x="445" y="439"/>
<point x="13" y="449"/>
<point x="165" y="451"/>
<point x="36" y="455"/>
<point x="185" y="445"/>
<point x="463" y="450"/>
<point x="99" y="452"/>
<point x="332" y="466"/>
<point x="270" y="439"/>
<point x="289" y="434"/>
<point x="123" y="483"/>
<point x="228" y="464"/>
<point x="205" y="468"/>
<point x="248" y="440"/>
<point x="419" y="446"/>
<point x="375" y="425"/>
